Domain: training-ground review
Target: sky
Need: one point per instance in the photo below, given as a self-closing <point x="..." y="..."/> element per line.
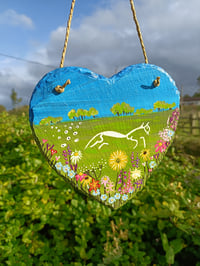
<point x="103" y="38"/>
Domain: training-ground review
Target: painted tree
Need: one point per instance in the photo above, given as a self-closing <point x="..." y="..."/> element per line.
<point x="123" y="108"/>
<point x="93" y="112"/>
<point x="127" y="109"/>
<point x="117" y="109"/>
<point x="159" y="105"/>
<point x="143" y="111"/>
<point x="82" y="113"/>
<point x="79" y="113"/>
<point x="172" y="105"/>
<point x="72" y="114"/>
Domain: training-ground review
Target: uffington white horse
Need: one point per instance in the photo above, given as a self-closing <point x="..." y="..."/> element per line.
<point x="99" y="138"/>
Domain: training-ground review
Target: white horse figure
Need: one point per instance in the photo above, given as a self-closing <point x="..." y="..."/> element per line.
<point x="113" y="134"/>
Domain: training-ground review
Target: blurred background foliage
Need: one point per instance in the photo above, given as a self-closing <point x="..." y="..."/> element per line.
<point x="43" y="221"/>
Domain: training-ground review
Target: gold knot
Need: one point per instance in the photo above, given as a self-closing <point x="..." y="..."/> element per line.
<point x="156" y="82"/>
<point x="61" y="89"/>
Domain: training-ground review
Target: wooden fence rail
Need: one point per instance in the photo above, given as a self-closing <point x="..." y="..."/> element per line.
<point x="189" y="125"/>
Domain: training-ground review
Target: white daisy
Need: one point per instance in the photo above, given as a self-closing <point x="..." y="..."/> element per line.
<point x="135" y="174"/>
<point x="76" y="156"/>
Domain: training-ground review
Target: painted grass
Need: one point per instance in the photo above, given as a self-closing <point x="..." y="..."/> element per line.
<point x="75" y="135"/>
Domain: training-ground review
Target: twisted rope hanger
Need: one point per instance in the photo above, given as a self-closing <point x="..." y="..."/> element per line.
<point x="139" y="31"/>
<point x="69" y="26"/>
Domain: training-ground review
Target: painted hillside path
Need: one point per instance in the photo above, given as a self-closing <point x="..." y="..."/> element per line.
<point x="109" y="159"/>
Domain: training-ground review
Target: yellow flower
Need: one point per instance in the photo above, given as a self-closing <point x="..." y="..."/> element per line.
<point x="86" y="181"/>
<point x="135" y="174"/>
<point x="145" y="154"/>
<point x="118" y="160"/>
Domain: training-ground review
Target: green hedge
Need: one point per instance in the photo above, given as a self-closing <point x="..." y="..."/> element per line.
<point x="43" y="221"/>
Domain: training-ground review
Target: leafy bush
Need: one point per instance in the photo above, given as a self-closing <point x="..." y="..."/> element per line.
<point x="43" y="221"/>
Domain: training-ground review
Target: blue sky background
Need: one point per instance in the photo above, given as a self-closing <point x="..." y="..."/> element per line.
<point x="133" y="85"/>
<point x="103" y="38"/>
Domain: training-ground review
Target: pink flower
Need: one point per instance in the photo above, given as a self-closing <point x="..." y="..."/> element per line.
<point x="127" y="187"/>
<point x="109" y="187"/>
<point x="80" y="176"/>
<point x="104" y="180"/>
<point x="160" y="146"/>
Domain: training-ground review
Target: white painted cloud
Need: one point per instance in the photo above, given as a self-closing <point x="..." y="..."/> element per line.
<point x="11" y="17"/>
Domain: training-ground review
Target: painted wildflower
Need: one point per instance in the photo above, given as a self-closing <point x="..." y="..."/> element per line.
<point x="103" y="197"/>
<point x="86" y="181"/>
<point x="58" y="165"/>
<point x="127" y="186"/>
<point x="96" y="193"/>
<point x="170" y="133"/>
<point x="139" y="183"/>
<point x="118" y="160"/>
<point x="94" y="185"/>
<point x="124" y="197"/>
<point x="131" y="190"/>
<point x="152" y="164"/>
<point x="104" y="180"/>
<point x="156" y="156"/>
<point x="80" y="176"/>
<point x="76" y="156"/>
<point x="66" y="168"/>
<point x="66" y="131"/>
<point x="117" y="196"/>
<point x="109" y="187"/>
<point x="160" y="146"/>
<point x="135" y="174"/>
<point x="111" y="200"/>
<point x="71" y="174"/>
<point x="164" y="134"/>
<point x="145" y="154"/>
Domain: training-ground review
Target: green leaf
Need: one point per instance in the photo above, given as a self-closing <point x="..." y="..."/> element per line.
<point x="170" y="255"/>
<point x="90" y="253"/>
<point x="177" y="245"/>
<point x="164" y="242"/>
<point x="74" y="203"/>
<point x="83" y="254"/>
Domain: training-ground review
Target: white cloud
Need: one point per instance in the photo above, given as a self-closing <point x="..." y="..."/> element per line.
<point x="107" y="41"/>
<point x="11" y="17"/>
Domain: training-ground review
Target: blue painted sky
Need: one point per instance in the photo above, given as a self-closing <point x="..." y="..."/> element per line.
<point x="133" y="85"/>
<point x="103" y="38"/>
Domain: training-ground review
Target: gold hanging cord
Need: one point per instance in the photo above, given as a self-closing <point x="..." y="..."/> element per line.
<point x="67" y="33"/>
<point x="69" y="26"/>
<point x="139" y="31"/>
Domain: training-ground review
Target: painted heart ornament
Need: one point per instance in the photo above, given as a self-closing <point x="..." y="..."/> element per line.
<point x="105" y="135"/>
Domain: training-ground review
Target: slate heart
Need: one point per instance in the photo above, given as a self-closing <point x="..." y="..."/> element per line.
<point x="109" y="133"/>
